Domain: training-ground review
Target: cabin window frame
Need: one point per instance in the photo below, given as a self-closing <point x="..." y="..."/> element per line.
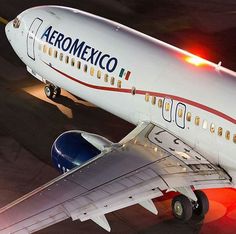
<point x="160" y="103"/>
<point x="197" y="120"/>
<point x="85" y="68"/>
<point x="92" y="71"/>
<point x="119" y="83"/>
<point x="227" y="135"/>
<point x="147" y="97"/>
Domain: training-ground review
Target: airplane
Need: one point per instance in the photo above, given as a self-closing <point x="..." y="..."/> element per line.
<point x="181" y="104"/>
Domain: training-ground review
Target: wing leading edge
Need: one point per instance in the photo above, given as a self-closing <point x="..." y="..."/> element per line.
<point x="147" y="162"/>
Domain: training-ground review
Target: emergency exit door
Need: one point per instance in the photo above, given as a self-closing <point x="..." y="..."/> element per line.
<point x="31" y="37"/>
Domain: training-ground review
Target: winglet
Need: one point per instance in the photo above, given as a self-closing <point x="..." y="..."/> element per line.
<point x="187" y="191"/>
<point x="102" y="222"/>
<point x="150" y="206"/>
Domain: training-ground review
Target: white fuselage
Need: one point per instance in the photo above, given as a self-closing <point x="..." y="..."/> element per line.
<point x="133" y="76"/>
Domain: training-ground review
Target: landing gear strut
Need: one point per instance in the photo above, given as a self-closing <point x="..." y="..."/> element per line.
<point x="52" y="91"/>
<point x="183" y="208"/>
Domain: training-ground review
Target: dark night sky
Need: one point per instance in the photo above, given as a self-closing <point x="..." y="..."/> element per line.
<point x="207" y="28"/>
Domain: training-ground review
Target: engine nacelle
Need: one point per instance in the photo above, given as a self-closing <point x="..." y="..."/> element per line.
<point x="73" y="148"/>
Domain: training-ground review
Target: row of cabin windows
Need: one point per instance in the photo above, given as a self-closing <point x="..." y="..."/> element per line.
<point x="167" y="107"/>
<point x="73" y="63"/>
<point x="197" y="119"/>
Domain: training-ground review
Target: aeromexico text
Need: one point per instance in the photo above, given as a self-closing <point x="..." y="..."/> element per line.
<point x="80" y="49"/>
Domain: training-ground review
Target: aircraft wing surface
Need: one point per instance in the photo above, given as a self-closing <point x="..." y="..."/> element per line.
<point x="145" y="164"/>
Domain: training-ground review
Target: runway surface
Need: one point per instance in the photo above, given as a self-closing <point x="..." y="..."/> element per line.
<point x="29" y="122"/>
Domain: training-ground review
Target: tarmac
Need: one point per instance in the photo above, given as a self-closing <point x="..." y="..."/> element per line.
<point x="29" y="122"/>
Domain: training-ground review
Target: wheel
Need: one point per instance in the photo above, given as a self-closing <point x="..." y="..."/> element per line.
<point x="182" y="208"/>
<point x="202" y="204"/>
<point x="49" y="91"/>
<point x="57" y="91"/>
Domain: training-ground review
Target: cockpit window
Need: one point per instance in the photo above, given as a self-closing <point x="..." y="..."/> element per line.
<point x="16" y="23"/>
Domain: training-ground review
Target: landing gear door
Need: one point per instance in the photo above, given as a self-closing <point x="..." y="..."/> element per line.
<point x="180" y="115"/>
<point x="34" y="27"/>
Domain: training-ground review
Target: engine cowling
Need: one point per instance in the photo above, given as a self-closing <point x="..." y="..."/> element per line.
<point x="72" y="149"/>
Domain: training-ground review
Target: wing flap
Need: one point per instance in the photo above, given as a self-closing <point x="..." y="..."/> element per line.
<point x="147" y="162"/>
<point x="127" y="197"/>
<point x="38" y="222"/>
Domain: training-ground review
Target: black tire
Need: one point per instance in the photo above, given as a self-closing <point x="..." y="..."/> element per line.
<point x="57" y="92"/>
<point x="182" y="208"/>
<point x="202" y="205"/>
<point x="49" y="91"/>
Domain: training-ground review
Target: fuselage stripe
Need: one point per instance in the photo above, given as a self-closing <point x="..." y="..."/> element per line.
<point x="142" y="92"/>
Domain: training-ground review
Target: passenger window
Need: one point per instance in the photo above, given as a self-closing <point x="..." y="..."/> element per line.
<point x="99" y="74"/>
<point x="133" y="91"/>
<point x="85" y="67"/>
<point x="234" y="139"/>
<point x="92" y="71"/>
<point x="147" y="96"/>
<point x="160" y="103"/>
<point x="61" y="56"/>
<point x="227" y="135"/>
<point x="50" y="51"/>
<point x="55" y="53"/>
<point x="204" y="124"/>
<point x="189" y="116"/>
<point x="154" y="100"/>
<point x="78" y="64"/>
<point x="67" y="59"/>
<point x="119" y="83"/>
<point x="167" y="106"/>
<point x="106" y="77"/>
<point x="220" y="131"/>
<point x="40" y="47"/>
<point x="45" y="48"/>
<point x="112" y="80"/>
<point x="197" y="120"/>
<point x="72" y="62"/>
<point x="180" y="113"/>
<point x="212" y="128"/>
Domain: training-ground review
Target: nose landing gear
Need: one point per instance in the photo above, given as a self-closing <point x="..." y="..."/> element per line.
<point x="52" y="91"/>
<point x="183" y="208"/>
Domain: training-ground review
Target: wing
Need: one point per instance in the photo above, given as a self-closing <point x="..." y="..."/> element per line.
<point x="147" y="163"/>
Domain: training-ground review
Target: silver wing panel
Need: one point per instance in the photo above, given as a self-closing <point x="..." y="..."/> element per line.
<point x="148" y="162"/>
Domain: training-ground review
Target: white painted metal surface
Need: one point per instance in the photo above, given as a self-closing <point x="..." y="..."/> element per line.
<point x="134" y="174"/>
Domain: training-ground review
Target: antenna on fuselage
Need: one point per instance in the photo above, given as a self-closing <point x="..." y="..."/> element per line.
<point x="218" y="66"/>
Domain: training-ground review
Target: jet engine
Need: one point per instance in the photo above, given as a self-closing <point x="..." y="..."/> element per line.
<point x="74" y="148"/>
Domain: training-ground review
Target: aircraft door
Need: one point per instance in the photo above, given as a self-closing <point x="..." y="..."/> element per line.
<point x="180" y="115"/>
<point x="31" y="37"/>
<point x="167" y="109"/>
